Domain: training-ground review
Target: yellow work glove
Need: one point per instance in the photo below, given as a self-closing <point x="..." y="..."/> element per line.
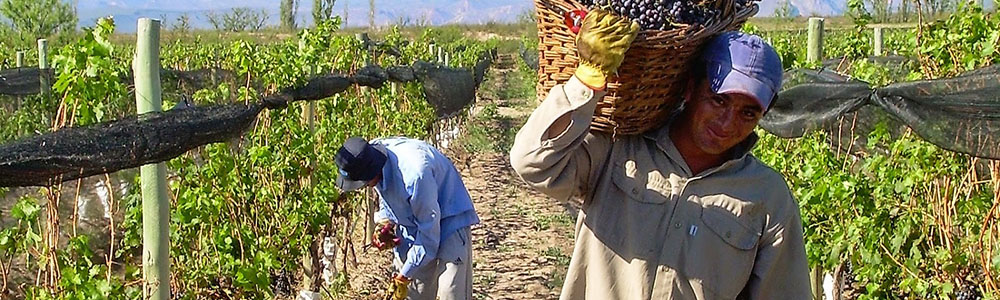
<point x="398" y="287"/>
<point x="602" y="42"/>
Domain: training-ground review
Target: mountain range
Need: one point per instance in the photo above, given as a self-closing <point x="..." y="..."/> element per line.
<point x="435" y="12"/>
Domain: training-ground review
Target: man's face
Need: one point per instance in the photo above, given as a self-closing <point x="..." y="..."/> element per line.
<point x="717" y="122"/>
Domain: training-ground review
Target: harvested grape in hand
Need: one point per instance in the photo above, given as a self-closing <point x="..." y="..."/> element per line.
<point x="387" y="235"/>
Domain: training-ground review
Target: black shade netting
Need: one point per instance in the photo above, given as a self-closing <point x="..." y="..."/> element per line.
<point x="26" y="81"/>
<point x="79" y="152"/>
<point x="960" y="114"/>
<point x="448" y="90"/>
<point x="895" y="63"/>
<point x="196" y="79"/>
<point x="22" y="81"/>
<point x="801" y="108"/>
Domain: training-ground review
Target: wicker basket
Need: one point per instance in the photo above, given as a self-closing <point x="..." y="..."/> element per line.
<point x="650" y="80"/>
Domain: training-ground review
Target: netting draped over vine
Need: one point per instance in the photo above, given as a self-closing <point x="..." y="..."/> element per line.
<point x="73" y="153"/>
<point x="960" y="114"/>
<point x="22" y="81"/>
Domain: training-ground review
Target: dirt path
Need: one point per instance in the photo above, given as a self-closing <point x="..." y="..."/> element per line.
<point x="522" y="246"/>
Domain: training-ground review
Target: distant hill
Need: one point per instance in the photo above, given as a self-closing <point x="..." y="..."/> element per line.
<point x="436" y="12"/>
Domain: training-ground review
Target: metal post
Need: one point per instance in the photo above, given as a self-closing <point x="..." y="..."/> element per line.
<point x="43" y="64"/>
<point x="815" y="54"/>
<point x="155" y="204"/>
<point x="878" y="41"/>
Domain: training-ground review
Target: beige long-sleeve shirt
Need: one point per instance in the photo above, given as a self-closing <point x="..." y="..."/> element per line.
<point x="649" y="229"/>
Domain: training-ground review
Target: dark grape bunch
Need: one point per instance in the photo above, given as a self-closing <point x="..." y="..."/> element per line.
<point x="663" y="14"/>
<point x="968" y="292"/>
<point x="848" y="274"/>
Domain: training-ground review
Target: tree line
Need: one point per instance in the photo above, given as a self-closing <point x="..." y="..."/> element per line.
<point x="33" y="19"/>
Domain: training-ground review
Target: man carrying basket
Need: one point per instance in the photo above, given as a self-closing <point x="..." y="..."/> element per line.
<point x="683" y="211"/>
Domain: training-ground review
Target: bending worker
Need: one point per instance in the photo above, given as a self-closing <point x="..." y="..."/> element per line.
<point x="424" y="203"/>
<point x="683" y="211"/>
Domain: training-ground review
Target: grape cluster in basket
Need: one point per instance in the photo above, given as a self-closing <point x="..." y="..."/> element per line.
<point x="663" y="14"/>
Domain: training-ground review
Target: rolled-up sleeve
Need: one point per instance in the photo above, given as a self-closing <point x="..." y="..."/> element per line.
<point x="382" y="214"/>
<point x="427" y="213"/>
<point x="560" y="166"/>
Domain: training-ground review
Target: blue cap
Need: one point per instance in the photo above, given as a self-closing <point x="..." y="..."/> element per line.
<point x="359" y="163"/>
<point x="743" y="63"/>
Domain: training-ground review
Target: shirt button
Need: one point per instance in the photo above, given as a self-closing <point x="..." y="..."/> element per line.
<point x="677" y="225"/>
<point x="635" y="191"/>
<point x="729" y="234"/>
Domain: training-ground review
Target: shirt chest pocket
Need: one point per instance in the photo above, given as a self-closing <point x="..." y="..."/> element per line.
<point x="649" y="188"/>
<point x="724" y="254"/>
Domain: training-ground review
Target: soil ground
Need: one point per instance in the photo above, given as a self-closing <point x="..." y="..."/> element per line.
<point x="522" y="246"/>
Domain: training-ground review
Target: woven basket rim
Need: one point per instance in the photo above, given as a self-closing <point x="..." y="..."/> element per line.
<point x="620" y="111"/>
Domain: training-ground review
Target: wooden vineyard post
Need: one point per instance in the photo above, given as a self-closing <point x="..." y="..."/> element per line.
<point x="309" y="120"/>
<point x="815" y="54"/>
<point x="878" y="40"/>
<point x="43" y="64"/>
<point x="20" y="64"/>
<point x="816" y="283"/>
<point x="155" y="203"/>
<point x="366" y="93"/>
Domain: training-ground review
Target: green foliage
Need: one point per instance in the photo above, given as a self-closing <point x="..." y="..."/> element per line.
<point x="89" y="78"/>
<point x="966" y="40"/>
<point x="32" y="117"/>
<point x="27" y="234"/>
<point x="881" y="211"/>
<point x="241" y="211"/>
<point x="82" y="277"/>
<point x="905" y="213"/>
<point x="35" y="19"/>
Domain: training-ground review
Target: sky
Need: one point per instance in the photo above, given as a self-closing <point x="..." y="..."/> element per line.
<point x="436" y="12"/>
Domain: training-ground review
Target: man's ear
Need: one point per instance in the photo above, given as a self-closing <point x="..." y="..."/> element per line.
<point x="690" y="89"/>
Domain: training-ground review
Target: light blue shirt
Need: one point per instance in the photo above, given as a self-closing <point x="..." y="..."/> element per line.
<point x="423" y="193"/>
